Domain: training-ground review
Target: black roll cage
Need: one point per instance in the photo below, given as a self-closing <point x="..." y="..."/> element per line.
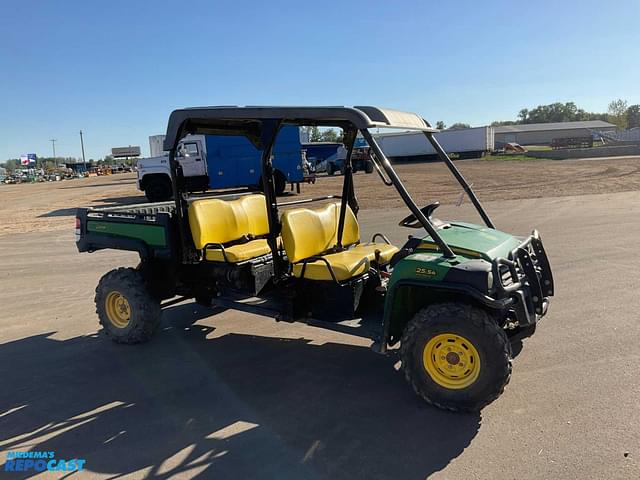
<point x="261" y="126"/>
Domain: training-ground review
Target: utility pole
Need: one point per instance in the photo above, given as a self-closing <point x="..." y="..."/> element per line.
<point x="84" y="161"/>
<point x="53" y="144"/>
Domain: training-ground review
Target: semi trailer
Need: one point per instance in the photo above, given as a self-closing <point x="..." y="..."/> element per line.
<point x="462" y="143"/>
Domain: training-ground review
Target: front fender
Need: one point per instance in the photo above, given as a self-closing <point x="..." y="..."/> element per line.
<point x="406" y="297"/>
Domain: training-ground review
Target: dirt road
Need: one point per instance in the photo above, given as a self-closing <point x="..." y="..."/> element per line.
<point x="51" y="206"/>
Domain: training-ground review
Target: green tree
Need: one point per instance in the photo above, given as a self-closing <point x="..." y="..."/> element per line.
<point x="618" y="113"/>
<point x="633" y="116"/>
<point x="10" y="165"/>
<point x="459" y="126"/>
<point x="329" y="135"/>
<point x="324" y="135"/>
<point x="553" y="112"/>
<point x="522" y="115"/>
<point x="313" y="133"/>
<point x="440" y="125"/>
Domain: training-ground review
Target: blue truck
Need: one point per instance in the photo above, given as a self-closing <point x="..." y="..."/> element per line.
<point x="219" y="162"/>
<point x="329" y="156"/>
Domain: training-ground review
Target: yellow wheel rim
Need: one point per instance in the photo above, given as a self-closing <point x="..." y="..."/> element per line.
<point x="118" y="309"/>
<point x="451" y="361"/>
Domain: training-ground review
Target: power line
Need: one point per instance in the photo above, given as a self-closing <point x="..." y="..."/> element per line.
<point x="53" y="144"/>
<point x="84" y="161"/>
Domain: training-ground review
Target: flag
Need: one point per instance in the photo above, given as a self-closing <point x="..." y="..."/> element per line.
<point x="27" y="158"/>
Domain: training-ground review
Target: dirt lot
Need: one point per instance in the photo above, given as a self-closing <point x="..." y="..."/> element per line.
<point x="223" y="394"/>
<point x="50" y="206"/>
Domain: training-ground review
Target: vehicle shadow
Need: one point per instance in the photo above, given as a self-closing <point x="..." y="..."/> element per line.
<point x="235" y="406"/>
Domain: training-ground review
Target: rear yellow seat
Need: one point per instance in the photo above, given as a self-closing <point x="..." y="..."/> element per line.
<point x="220" y="221"/>
<point x="308" y="233"/>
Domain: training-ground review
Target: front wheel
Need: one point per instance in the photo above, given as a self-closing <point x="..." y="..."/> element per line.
<point x="158" y="189"/>
<point x="455" y="356"/>
<point x="126" y="309"/>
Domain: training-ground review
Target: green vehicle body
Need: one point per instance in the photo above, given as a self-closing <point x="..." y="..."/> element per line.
<point x="417" y="279"/>
<point x="426" y="274"/>
<point x="152" y="235"/>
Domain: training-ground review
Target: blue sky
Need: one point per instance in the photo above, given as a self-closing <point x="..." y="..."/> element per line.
<point x="116" y="69"/>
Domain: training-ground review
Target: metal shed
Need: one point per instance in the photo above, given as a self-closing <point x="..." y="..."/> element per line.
<point x="544" y="133"/>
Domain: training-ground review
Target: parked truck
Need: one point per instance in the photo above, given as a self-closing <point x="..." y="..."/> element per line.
<point x="217" y="162"/>
<point x="330" y="156"/>
<point x="462" y="143"/>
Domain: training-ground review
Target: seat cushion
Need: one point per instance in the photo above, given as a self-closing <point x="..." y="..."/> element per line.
<point x="221" y="221"/>
<point x="239" y="253"/>
<point x="345" y="265"/>
<point x="369" y="250"/>
<point x="307" y="233"/>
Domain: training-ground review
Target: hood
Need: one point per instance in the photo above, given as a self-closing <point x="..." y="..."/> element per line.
<point x="474" y="241"/>
<point x="153" y="160"/>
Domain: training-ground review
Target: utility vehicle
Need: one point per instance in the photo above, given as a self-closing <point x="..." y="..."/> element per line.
<point x="449" y="297"/>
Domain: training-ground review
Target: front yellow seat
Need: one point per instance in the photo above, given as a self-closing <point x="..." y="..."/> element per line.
<point x="309" y="233"/>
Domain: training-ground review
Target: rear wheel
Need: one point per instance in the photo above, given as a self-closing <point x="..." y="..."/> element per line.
<point x="126" y="309"/>
<point x="368" y="166"/>
<point x="158" y="189"/>
<point x="455" y="356"/>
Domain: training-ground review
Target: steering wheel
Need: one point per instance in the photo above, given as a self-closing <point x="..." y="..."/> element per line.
<point x="411" y="221"/>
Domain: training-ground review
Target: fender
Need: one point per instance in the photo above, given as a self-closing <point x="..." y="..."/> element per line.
<point x="440" y="287"/>
<point x="152" y="166"/>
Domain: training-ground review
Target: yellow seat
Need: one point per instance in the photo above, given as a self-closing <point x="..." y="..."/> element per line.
<point x="309" y="233"/>
<point x="345" y="265"/>
<point x="239" y="253"/>
<point x="220" y="222"/>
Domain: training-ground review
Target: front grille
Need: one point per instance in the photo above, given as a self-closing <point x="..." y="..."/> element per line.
<point x="506" y="279"/>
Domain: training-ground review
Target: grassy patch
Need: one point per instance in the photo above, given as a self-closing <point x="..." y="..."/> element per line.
<point x="510" y="157"/>
<point x="538" y="148"/>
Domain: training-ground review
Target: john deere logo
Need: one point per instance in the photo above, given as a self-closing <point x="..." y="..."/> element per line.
<point x="426" y="271"/>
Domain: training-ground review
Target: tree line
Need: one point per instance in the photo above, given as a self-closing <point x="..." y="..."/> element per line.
<point x="619" y="112"/>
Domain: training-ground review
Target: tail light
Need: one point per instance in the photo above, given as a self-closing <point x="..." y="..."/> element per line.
<point x="78" y="229"/>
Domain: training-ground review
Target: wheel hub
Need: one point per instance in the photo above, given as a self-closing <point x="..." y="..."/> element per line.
<point x="118" y="309"/>
<point x="451" y="361"/>
<point x="453" y="358"/>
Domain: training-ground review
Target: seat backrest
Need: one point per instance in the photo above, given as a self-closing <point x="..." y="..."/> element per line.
<point x="307" y="232"/>
<point x="220" y="221"/>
